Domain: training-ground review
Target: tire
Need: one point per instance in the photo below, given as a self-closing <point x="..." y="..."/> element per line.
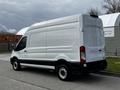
<point x="16" y="65"/>
<point x="63" y="73"/>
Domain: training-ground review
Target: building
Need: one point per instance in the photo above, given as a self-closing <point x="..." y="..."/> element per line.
<point x="6" y="41"/>
<point x="9" y="38"/>
<point x="111" y="25"/>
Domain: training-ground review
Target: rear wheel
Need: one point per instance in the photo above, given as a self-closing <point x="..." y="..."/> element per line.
<point x="16" y="65"/>
<point x="64" y="72"/>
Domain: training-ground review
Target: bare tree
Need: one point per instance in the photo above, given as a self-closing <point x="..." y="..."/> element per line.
<point x="112" y="6"/>
<point x="94" y="12"/>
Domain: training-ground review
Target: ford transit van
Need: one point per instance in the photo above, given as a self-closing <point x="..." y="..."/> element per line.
<point x="70" y="45"/>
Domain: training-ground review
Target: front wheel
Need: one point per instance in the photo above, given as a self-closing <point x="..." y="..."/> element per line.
<point x="63" y="73"/>
<point x="16" y="65"/>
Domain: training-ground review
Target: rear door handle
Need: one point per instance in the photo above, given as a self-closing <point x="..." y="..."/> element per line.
<point x="100" y="50"/>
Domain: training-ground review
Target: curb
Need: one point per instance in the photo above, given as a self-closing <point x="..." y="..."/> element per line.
<point x="109" y="74"/>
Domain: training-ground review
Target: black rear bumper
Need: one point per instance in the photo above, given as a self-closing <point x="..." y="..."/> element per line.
<point x="89" y="67"/>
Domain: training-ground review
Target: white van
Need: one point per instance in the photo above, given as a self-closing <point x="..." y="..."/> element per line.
<point x="71" y="44"/>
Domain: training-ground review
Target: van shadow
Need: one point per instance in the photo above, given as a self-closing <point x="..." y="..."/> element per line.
<point x="91" y="78"/>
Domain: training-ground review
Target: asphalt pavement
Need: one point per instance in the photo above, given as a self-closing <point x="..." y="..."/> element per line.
<point x="42" y="79"/>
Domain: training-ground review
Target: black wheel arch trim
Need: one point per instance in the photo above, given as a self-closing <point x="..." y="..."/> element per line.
<point x="12" y="59"/>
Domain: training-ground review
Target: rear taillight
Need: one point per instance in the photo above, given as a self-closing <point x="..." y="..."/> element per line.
<point x="82" y="55"/>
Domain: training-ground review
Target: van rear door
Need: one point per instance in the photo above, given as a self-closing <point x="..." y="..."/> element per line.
<point x="93" y="38"/>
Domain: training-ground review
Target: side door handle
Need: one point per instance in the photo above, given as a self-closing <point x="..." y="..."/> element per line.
<point x="25" y="50"/>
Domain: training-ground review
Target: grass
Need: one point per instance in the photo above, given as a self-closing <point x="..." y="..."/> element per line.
<point x="113" y="65"/>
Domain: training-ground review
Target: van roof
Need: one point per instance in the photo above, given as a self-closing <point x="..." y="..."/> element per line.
<point x="58" y="21"/>
<point x="22" y="31"/>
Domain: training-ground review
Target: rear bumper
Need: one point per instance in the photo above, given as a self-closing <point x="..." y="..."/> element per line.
<point x="89" y="67"/>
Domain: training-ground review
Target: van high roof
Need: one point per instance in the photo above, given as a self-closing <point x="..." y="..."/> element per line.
<point x="58" y="21"/>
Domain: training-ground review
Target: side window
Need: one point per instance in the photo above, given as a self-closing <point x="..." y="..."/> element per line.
<point x="22" y="44"/>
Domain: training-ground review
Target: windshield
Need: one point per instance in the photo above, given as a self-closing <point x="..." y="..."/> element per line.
<point x="22" y="44"/>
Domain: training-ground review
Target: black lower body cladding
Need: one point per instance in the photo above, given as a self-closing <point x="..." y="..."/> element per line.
<point x="89" y="67"/>
<point x="75" y="67"/>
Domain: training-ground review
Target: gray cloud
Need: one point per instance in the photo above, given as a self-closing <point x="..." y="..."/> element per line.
<point x="20" y="13"/>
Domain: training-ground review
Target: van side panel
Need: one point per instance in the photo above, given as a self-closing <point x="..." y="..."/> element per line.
<point x="36" y="46"/>
<point x="62" y="38"/>
<point x="62" y="42"/>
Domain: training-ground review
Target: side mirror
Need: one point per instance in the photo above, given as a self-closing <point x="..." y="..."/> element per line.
<point x="13" y="46"/>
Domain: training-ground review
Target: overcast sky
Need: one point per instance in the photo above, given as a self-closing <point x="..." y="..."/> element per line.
<point x="16" y="14"/>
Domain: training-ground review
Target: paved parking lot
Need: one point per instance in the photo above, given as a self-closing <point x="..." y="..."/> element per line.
<point x="40" y="79"/>
<point x="5" y="56"/>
